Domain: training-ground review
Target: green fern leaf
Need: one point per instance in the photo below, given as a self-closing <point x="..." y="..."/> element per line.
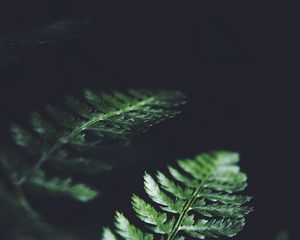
<point x="195" y="203"/>
<point x="92" y="123"/>
<point x="108" y="235"/>
<point x="128" y="230"/>
<point x="69" y="138"/>
<point x="43" y="128"/>
<point x="64" y="187"/>
<point x="25" y="139"/>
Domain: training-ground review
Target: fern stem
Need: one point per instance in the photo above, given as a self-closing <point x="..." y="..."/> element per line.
<point x="64" y="140"/>
<point x="16" y="190"/>
<point x="21" y="199"/>
<point x="186" y="209"/>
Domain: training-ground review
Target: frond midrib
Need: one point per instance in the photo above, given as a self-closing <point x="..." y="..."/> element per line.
<point x="64" y="140"/>
<point x="188" y="206"/>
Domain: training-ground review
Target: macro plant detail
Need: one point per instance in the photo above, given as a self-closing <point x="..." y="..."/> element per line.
<point x="70" y="139"/>
<point x="136" y="121"/>
<point x="200" y="200"/>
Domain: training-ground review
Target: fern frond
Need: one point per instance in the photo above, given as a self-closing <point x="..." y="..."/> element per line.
<point x="199" y="201"/>
<point x="67" y="139"/>
<point x="93" y="122"/>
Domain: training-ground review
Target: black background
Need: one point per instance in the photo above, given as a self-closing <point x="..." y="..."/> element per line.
<point x="234" y="61"/>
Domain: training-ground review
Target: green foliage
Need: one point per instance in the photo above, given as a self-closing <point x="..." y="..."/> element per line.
<point x="59" y="186"/>
<point x="67" y="139"/>
<point x="199" y="201"/>
<point x="108" y="235"/>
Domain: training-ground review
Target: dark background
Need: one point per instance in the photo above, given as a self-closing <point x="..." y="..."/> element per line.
<point x="234" y="61"/>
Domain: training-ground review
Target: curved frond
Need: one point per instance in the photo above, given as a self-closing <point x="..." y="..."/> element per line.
<point x="87" y="125"/>
<point x="199" y="199"/>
